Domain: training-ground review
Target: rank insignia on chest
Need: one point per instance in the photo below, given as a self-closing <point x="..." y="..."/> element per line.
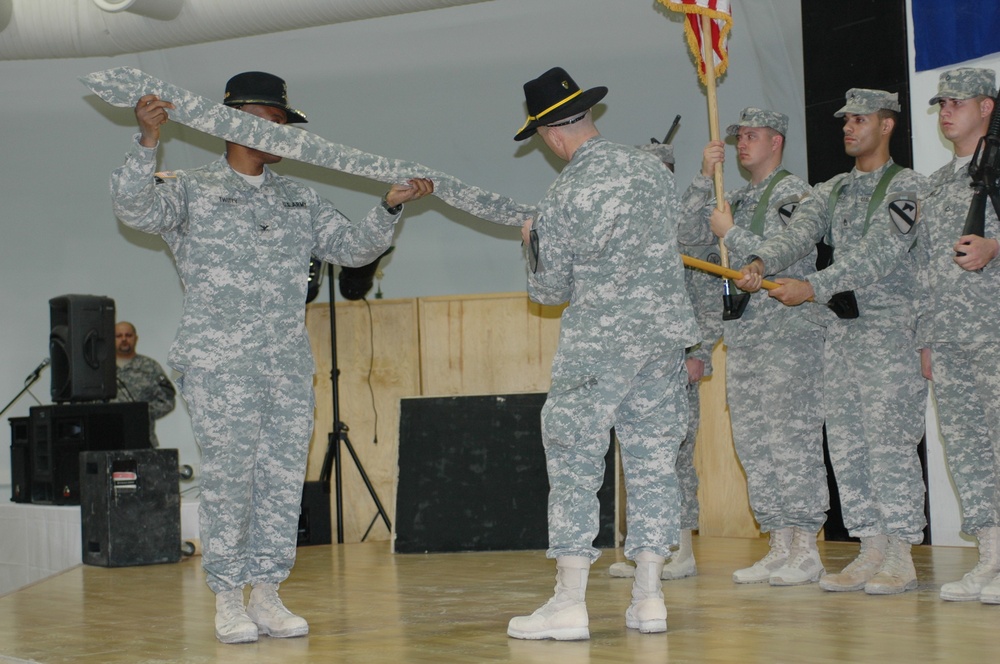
<point x="903" y="212"/>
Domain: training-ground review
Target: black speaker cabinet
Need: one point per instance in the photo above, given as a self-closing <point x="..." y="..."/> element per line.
<point x="20" y="459"/>
<point x="314" y="517"/>
<point x="472" y="476"/>
<point x="130" y="507"/>
<point x="60" y="433"/>
<point x="82" y="348"/>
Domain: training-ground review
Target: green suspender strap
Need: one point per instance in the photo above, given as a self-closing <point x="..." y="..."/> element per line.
<point x="873" y="204"/>
<point x="757" y="222"/>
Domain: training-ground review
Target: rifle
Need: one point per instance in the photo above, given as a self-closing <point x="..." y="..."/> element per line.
<point x="670" y="133"/>
<point x="984" y="169"/>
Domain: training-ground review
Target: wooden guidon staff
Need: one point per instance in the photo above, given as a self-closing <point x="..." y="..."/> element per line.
<point x="721" y="271"/>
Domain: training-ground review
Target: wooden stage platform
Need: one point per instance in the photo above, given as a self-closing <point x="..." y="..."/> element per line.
<point x="365" y="604"/>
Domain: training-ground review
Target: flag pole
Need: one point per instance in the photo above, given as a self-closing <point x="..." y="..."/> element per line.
<point x="720" y="271"/>
<point x="713" y="118"/>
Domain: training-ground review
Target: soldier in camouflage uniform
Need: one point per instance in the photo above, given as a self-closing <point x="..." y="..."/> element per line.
<point x="141" y="378"/>
<point x="703" y="290"/>
<point x="959" y="323"/>
<point x="779" y="442"/>
<point x="242" y="237"/>
<point x="875" y="395"/>
<point x="605" y="240"/>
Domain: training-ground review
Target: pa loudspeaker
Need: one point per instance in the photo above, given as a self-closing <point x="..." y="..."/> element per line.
<point x="82" y="348"/>
<point x="130" y="507"/>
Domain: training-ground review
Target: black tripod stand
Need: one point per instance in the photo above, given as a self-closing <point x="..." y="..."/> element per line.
<point x="339" y="435"/>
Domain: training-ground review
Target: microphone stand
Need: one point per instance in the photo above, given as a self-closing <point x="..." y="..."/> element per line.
<point x="28" y="382"/>
<point x="339" y="435"/>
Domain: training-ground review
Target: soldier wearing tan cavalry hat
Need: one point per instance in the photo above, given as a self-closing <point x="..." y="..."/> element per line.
<point x="605" y="240"/>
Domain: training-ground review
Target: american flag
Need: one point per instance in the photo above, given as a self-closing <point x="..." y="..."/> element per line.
<point x="722" y="21"/>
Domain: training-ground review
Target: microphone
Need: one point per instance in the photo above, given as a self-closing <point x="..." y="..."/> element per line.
<point x="33" y="376"/>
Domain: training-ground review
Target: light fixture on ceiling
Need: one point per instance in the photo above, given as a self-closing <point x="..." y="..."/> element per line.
<point x="159" y="9"/>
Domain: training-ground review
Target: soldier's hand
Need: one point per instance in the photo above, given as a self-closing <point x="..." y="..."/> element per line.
<point x="979" y="251"/>
<point x="721" y="220"/>
<point x="753" y="276"/>
<point x="714" y="153"/>
<point x="526" y="232"/>
<point x="792" y="292"/>
<point x="151" y="114"/>
<point x="695" y="369"/>
<point x="925" y="363"/>
<point x="404" y="193"/>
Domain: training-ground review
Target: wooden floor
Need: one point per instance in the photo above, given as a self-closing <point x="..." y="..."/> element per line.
<point x="365" y="604"/>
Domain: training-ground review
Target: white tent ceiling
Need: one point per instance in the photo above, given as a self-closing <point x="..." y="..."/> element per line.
<point x="40" y="29"/>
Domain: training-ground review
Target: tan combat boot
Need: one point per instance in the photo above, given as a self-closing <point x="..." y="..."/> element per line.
<point x="232" y="625"/>
<point x="681" y="563"/>
<point x="647" y="612"/>
<point x="971" y="586"/>
<point x="861" y="570"/>
<point x="271" y="616"/>
<point x="897" y="574"/>
<point x="803" y="565"/>
<point x="680" y="566"/>
<point x="760" y="571"/>
<point x="564" y="617"/>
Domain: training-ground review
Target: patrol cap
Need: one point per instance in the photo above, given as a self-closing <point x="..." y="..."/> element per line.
<point x="965" y="83"/>
<point x="662" y="151"/>
<point x="759" y="117"/>
<point x="261" y="88"/>
<point x="862" y="101"/>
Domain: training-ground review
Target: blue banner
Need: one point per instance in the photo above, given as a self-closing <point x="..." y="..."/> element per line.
<point x="946" y="32"/>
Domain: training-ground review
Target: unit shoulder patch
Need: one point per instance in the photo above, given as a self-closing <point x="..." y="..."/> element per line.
<point x="903" y="212"/>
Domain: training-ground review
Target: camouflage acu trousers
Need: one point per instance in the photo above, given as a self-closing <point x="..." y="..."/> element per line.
<point x="254" y="433"/>
<point x="775" y="396"/>
<point x="876" y="399"/>
<point x="967" y="391"/>
<point x="645" y="400"/>
<point x="687" y="477"/>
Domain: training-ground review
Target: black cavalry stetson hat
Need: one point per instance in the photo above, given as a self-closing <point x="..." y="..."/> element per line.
<point x="555" y="96"/>
<point x="258" y="87"/>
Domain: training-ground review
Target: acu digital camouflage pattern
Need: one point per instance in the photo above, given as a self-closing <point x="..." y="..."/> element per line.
<point x="960" y="322"/>
<point x="254" y="437"/>
<point x="608" y="245"/>
<point x="862" y="101"/>
<point x="142" y="379"/>
<point x="123" y="86"/>
<point x="242" y="253"/>
<point x="778" y="438"/>
<point x="759" y="117"/>
<point x="965" y="83"/>
<point x="703" y="289"/>
<point x="764" y="318"/>
<point x="875" y="395"/>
